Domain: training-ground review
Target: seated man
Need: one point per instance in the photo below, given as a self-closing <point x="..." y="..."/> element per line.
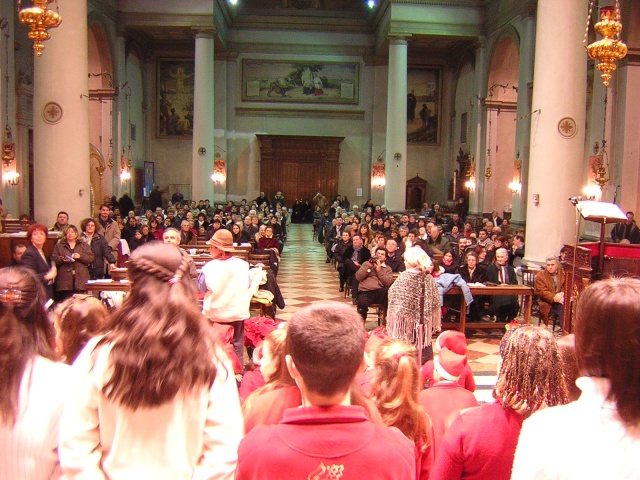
<point x="394" y="256"/>
<point x="504" y="307"/>
<point x="374" y="279"/>
<point x="437" y="242"/>
<point x="549" y="286"/>
<point x="354" y="257"/>
<point x="326" y="438"/>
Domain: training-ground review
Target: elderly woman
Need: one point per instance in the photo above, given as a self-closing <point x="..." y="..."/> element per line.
<point x="414" y="301"/>
<point x="72" y="256"/>
<point x="481" y="442"/>
<point x="35" y="258"/>
<point x="100" y="248"/>
<point x="34" y="387"/>
<point x="160" y="396"/>
<point x="598" y="434"/>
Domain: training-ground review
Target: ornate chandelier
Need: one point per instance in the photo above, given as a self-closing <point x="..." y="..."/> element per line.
<point x="609" y="49"/>
<point x="39" y="19"/>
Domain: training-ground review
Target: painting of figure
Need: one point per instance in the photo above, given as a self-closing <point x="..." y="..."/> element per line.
<point x="299" y="82"/>
<point x="423" y="105"/>
<point x="175" y="98"/>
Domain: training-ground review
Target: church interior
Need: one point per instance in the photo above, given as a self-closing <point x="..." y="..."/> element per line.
<point x="492" y="101"/>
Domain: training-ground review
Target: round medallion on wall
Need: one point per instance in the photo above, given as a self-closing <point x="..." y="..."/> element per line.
<point x="567" y="127"/>
<point x="52" y="113"/>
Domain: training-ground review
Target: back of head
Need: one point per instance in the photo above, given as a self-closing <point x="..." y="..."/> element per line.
<point x="531" y="376"/>
<point x="416" y="257"/>
<point x="78" y="319"/>
<point x="161" y="344"/>
<point x="326" y="343"/>
<point x="24" y="332"/>
<point x="607" y="328"/>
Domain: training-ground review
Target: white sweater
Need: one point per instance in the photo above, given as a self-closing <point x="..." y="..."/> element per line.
<point x="194" y="436"/>
<point x="583" y="440"/>
<point x="29" y="449"/>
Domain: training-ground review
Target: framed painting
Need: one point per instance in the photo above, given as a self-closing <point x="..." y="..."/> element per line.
<point x="300" y="82"/>
<point x="174" y="116"/>
<point x="424" y="91"/>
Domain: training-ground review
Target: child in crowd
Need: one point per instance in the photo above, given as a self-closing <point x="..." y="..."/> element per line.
<point x="327" y="437"/>
<point x="456" y="342"/>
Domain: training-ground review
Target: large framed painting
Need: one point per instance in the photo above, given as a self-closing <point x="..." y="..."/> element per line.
<point x="300" y="82"/>
<point x="175" y="97"/>
<point x="424" y="91"/>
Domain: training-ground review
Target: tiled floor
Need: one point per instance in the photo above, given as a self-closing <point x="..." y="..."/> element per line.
<point x="304" y="278"/>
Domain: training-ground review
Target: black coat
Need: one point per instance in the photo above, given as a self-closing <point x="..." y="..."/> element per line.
<point x="31" y="258"/>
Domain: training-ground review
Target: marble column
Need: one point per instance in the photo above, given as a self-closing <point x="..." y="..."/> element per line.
<point x="120" y="112"/>
<point x="478" y="122"/>
<point x="557" y="130"/>
<point x="396" y="150"/>
<point x="203" y="132"/>
<point x="523" y="124"/>
<point x="61" y="120"/>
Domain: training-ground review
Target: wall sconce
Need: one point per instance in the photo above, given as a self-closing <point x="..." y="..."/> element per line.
<point x="516" y="185"/>
<point x="12" y="178"/>
<point x="378" y="178"/>
<point x="470" y="184"/>
<point x="125" y="168"/>
<point x="39" y="19"/>
<point x="219" y="175"/>
<point x="592" y="192"/>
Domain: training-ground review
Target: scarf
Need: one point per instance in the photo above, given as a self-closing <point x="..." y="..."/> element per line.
<point x="403" y="312"/>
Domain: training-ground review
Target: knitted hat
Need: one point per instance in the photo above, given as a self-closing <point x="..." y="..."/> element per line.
<point x="453" y="340"/>
<point x="223" y="240"/>
<point x="449" y="365"/>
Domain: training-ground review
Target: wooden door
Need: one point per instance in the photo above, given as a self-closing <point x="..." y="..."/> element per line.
<point x="299" y="166"/>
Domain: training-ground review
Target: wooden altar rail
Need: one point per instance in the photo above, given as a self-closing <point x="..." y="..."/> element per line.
<point x="8" y="241"/>
<point x="515" y="290"/>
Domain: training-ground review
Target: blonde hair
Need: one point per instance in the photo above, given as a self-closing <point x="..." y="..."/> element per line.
<point x="396" y="389"/>
<point x="416" y="257"/>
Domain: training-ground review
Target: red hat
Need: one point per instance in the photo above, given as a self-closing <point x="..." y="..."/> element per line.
<point x="449" y="365"/>
<point x="453" y="340"/>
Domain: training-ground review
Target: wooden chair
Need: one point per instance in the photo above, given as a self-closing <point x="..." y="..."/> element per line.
<point x="529" y="279"/>
<point x="380" y="313"/>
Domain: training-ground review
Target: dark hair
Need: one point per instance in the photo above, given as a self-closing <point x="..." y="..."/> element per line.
<point x="36" y="226"/>
<point x="607" y="328"/>
<point x="104" y="205"/>
<point x="161" y="343"/>
<point x="62" y="211"/>
<point x="78" y="319"/>
<point x="519" y="237"/>
<point x="25" y="331"/>
<point x="85" y="222"/>
<point x="326" y="342"/>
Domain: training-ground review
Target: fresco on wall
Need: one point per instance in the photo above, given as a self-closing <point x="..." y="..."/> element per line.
<point x="299" y="82"/>
<point x="175" y="98"/>
<point x="423" y="105"/>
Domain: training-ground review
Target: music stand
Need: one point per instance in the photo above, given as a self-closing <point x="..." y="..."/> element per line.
<point x="602" y="213"/>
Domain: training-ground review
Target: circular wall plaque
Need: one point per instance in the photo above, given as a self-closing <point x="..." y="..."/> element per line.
<point x="567" y="127"/>
<point x="52" y="113"/>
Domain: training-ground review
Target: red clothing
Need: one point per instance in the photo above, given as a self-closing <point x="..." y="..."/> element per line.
<point x="364" y="382"/>
<point x="265" y="243"/>
<point x="323" y="443"/>
<point x="466" y="379"/>
<point x="480" y="444"/>
<point x="441" y="402"/>
<point x="251" y="381"/>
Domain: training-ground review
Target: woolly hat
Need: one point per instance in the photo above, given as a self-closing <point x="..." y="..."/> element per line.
<point x="223" y="240"/>
<point x="449" y="365"/>
<point x="453" y="340"/>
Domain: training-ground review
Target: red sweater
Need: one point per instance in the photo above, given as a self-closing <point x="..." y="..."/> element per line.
<point x="325" y="443"/>
<point x="479" y="445"/>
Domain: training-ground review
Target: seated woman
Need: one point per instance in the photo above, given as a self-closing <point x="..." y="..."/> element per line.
<point x="448" y="263"/>
<point x="239" y="235"/>
<point x="34" y="387"/>
<point x="155" y="229"/>
<point x="481" y="442"/>
<point x="471" y="272"/>
<point x="159" y="395"/>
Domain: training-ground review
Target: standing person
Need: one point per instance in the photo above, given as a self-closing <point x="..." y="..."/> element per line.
<point x="100" y="248"/>
<point x="126" y="204"/>
<point x="605" y="420"/>
<point x="72" y="257"/>
<point x="160" y="400"/>
<point x="62" y="220"/>
<point x="481" y="442"/>
<point x="396" y="386"/>
<point x="228" y="287"/>
<point x="627" y="230"/>
<point x="328" y="436"/>
<point x="108" y="228"/>
<point x="403" y="313"/>
<point x="34" y="387"/>
<point x="35" y="258"/>
<point x="155" y="198"/>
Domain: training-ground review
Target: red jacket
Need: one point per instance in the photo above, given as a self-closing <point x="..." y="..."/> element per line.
<point x="323" y="443"/>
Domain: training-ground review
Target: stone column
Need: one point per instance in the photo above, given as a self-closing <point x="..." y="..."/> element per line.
<point x="523" y="124"/>
<point x="120" y="113"/>
<point x="478" y="122"/>
<point x="61" y="120"/>
<point x="557" y="130"/>
<point x="396" y="152"/>
<point x="203" y="132"/>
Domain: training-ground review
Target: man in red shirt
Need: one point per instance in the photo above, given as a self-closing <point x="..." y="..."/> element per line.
<point x="327" y="437"/>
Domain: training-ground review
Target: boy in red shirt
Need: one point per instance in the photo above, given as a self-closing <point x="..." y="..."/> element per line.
<point x="327" y="437"/>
